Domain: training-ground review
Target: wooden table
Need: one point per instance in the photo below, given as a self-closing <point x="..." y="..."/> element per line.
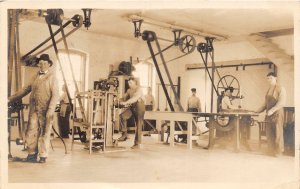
<point x="188" y="117"/>
<point x="173" y="117"/>
<point x="237" y="116"/>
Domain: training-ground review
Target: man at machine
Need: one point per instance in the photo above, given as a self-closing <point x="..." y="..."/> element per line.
<point x="227" y="106"/>
<point x="133" y="100"/>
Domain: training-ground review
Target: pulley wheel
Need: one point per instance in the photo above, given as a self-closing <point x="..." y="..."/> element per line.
<point x="77" y="20"/>
<point x="187" y="44"/>
<point x="229" y="81"/>
<point x="224" y="123"/>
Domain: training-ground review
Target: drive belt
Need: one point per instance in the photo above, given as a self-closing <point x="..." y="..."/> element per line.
<point x="59" y="40"/>
<point x="64" y="79"/>
<point x="73" y="76"/>
<point x="48" y="39"/>
<point x="168" y="75"/>
<point x="206" y="67"/>
<point x="160" y="76"/>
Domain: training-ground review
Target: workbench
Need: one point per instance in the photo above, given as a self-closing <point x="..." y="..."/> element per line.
<point x="188" y="117"/>
<point x="160" y="116"/>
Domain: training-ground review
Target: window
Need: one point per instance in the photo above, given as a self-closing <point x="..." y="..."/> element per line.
<point x="145" y="72"/>
<point x="78" y="61"/>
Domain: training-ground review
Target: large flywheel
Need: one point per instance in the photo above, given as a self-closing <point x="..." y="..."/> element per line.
<point x="229" y="81"/>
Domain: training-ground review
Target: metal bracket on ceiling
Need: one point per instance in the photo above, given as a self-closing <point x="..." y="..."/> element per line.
<point x="137" y="27"/>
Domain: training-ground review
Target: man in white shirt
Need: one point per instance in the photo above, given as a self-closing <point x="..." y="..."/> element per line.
<point x="149" y="100"/>
<point x="193" y="104"/>
<point x="133" y="98"/>
<point x="226" y="101"/>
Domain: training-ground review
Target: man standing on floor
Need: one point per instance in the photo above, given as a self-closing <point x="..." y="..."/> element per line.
<point x="274" y="101"/>
<point x="193" y="104"/>
<point x="42" y="102"/>
<point x="133" y="98"/>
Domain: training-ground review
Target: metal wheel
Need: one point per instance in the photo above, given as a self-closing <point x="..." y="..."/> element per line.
<point x="229" y="81"/>
<point x="77" y="20"/>
<point x="187" y="44"/>
<point x="224" y="123"/>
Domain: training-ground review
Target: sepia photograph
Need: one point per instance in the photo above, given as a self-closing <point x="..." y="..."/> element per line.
<point x="150" y="95"/>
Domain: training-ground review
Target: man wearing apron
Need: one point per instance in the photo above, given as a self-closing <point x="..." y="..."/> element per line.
<point x="274" y="102"/>
<point x="133" y="98"/>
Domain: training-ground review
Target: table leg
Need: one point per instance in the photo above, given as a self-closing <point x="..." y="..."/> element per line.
<point x="211" y="134"/>
<point x="172" y="129"/>
<point x="237" y="134"/>
<point x="160" y="130"/>
<point x="189" y="134"/>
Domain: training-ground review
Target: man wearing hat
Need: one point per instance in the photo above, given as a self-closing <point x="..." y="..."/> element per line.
<point x="193" y="104"/>
<point x="226" y="101"/>
<point x="43" y="98"/>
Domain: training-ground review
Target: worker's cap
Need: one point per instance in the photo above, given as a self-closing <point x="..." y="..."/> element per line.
<point x="272" y="74"/>
<point x="45" y="57"/>
<point x="193" y="89"/>
<point x="230" y="89"/>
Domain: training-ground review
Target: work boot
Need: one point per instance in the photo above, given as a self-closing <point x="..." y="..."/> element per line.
<point x="42" y="160"/>
<point x="123" y="137"/>
<point x="31" y="158"/>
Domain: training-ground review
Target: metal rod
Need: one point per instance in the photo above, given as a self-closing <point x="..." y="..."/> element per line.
<point x="12" y="21"/>
<point x="11" y="49"/>
<point x="206" y="67"/>
<point x="234" y="65"/>
<point x="161" y="51"/>
<point x="178" y="86"/>
<point x="218" y="73"/>
<point x="166" y="84"/>
<point x="18" y="75"/>
<point x="213" y="82"/>
<point x="157" y="98"/>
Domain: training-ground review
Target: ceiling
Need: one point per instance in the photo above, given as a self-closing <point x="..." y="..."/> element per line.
<point x="230" y="23"/>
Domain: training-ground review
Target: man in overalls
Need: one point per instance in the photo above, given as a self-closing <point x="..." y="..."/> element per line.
<point x="42" y="102"/>
<point x="274" y="102"/>
<point x="133" y="98"/>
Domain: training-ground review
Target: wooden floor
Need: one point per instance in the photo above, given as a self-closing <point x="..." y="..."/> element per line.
<point x="156" y="163"/>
